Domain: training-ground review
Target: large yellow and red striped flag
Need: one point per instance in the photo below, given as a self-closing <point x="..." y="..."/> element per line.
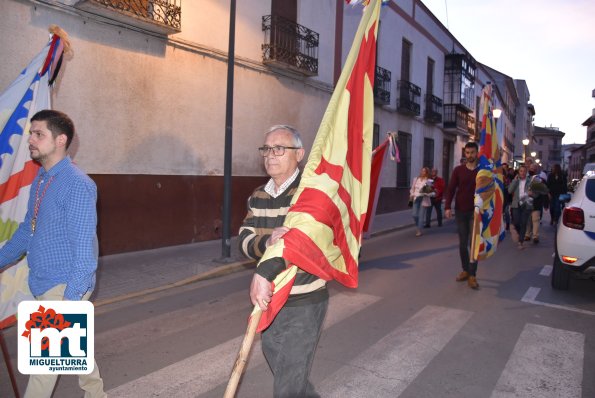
<point x="329" y="208"/>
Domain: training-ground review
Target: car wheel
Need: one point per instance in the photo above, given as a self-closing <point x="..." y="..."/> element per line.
<point x="560" y="275"/>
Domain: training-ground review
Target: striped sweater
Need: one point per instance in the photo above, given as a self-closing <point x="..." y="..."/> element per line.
<point x="266" y="213"/>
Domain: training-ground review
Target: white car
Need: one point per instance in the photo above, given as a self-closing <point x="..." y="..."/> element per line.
<point x="575" y="237"/>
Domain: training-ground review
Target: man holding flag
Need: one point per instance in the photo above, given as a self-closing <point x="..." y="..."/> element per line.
<point x="320" y="237"/>
<point x="289" y="343"/>
<point x="462" y="188"/>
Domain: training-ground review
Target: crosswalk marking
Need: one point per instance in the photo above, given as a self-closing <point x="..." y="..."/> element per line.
<point x="202" y="372"/>
<point x="531" y="298"/>
<point x="389" y="366"/>
<point x="545" y="362"/>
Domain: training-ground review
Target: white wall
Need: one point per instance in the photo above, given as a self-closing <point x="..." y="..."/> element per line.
<point x="151" y="105"/>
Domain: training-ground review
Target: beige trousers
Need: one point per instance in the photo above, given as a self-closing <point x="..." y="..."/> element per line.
<point x="533" y="225"/>
<point x="42" y="386"/>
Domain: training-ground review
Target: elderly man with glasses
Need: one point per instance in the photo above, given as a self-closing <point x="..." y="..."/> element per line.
<point x="290" y="341"/>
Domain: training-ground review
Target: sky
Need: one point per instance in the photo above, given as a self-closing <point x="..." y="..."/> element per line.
<point x="548" y="43"/>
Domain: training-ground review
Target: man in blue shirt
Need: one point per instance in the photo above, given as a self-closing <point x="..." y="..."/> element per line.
<point x="58" y="234"/>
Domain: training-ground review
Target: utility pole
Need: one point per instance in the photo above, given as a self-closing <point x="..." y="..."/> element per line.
<point x="226" y="238"/>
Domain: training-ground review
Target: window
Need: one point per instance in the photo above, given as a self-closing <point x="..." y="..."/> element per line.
<point x="376" y="136"/>
<point x="404" y="167"/>
<point x="428" y="153"/>
<point x="405" y="60"/>
<point x="430" y="77"/>
<point x="459" y="80"/>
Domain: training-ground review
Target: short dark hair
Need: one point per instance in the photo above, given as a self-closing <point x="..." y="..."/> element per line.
<point x="57" y="122"/>
<point x="472" y="144"/>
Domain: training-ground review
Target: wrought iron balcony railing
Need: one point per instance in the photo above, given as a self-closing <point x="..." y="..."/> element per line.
<point x="455" y="118"/>
<point x="408" y="102"/>
<point x="382" y="86"/>
<point x="471" y="126"/>
<point x="162" y="16"/>
<point x="433" y="111"/>
<point x="289" y="45"/>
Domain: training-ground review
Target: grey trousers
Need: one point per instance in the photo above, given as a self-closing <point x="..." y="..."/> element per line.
<point x="289" y="345"/>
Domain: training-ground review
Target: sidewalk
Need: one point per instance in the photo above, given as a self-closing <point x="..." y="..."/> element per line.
<point x="128" y="275"/>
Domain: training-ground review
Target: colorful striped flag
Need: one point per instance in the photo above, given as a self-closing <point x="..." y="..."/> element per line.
<point x="329" y="208"/>
<point x="29" y="93"/>
<point x="488" y="227"/>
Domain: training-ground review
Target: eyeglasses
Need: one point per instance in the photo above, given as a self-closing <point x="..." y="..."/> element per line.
<point x="278" y="150"/>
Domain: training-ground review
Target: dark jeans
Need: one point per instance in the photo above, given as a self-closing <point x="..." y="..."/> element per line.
<point x="289" y="345"/>
<point x="520" y="217"/>
<point x="555" y="208"/>
<point x="464" y="220"/>
<point x="506" y="214"/>
<point x="438" y="207"/>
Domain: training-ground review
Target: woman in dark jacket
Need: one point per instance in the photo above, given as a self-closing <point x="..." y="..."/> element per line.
<point x="556" y="183"/>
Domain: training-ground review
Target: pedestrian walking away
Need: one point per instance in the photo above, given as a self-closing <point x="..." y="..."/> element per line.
<point x="436" y="201"/>
<point x="557" y="185"/>
<point x="289" y="343"/>
<point x="58" y="234"/>
<point x="462" y="188"/>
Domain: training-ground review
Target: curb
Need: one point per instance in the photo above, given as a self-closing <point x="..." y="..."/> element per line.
<point x="215" y="273"/>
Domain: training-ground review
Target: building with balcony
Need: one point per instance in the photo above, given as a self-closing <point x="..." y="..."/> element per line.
<point x="146" y="88"/>
<point x="547" y="145"/>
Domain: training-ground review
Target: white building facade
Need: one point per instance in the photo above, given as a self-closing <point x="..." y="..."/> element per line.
<point x="146" y="89"/>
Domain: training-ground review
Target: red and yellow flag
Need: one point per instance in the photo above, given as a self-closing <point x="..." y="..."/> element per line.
<point x="328" y="211"/>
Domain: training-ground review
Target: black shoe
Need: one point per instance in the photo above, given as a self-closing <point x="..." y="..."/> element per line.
<point x="440" y="224"/>
<point x="536" y="240"/>
<point x="427" y="226"/>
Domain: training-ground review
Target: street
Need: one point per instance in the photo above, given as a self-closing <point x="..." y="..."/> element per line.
<point x="409" y="330"/>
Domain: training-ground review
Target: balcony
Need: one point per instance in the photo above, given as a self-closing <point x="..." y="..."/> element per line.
<point x="288" y="45"/>
<point x="382" y="86"/>
<point x="408" y="102"/>
<point x="555" y="155"/>
<point x="158" y="16"/>
<point x="456" y="119"/>
<point x="472" y="126"/>
<point x="433" y="111"/>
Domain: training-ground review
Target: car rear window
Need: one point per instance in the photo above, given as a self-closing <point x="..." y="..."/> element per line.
<point x="590" y="189"/>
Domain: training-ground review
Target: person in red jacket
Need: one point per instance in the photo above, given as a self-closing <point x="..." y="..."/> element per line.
<point x="462" y="188"/>
<point x="438" y="185"/>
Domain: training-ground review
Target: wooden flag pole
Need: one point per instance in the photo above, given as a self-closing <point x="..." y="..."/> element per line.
<point x="474" y="240"/>
<point x="242" y="358"/>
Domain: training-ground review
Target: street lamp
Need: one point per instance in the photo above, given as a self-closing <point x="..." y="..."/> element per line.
<point x="525" y="141"/>
<point x="497" y="112"/>
<point x="537" y="161"/>
<point x="533" y="154"/>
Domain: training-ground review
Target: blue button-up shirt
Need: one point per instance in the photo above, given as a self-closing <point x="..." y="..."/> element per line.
<point x="63" y="247"/>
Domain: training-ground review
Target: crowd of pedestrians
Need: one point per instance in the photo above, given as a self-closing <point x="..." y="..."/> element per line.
<point x="528" y="190"/>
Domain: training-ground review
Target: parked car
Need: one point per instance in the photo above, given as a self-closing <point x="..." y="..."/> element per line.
<point x="575" y="237"/>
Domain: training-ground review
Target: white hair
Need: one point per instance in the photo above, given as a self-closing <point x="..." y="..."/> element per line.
<point x="297" y="139"/>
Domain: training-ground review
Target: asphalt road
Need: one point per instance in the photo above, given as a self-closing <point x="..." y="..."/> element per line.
<point x="408" y="330"/>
